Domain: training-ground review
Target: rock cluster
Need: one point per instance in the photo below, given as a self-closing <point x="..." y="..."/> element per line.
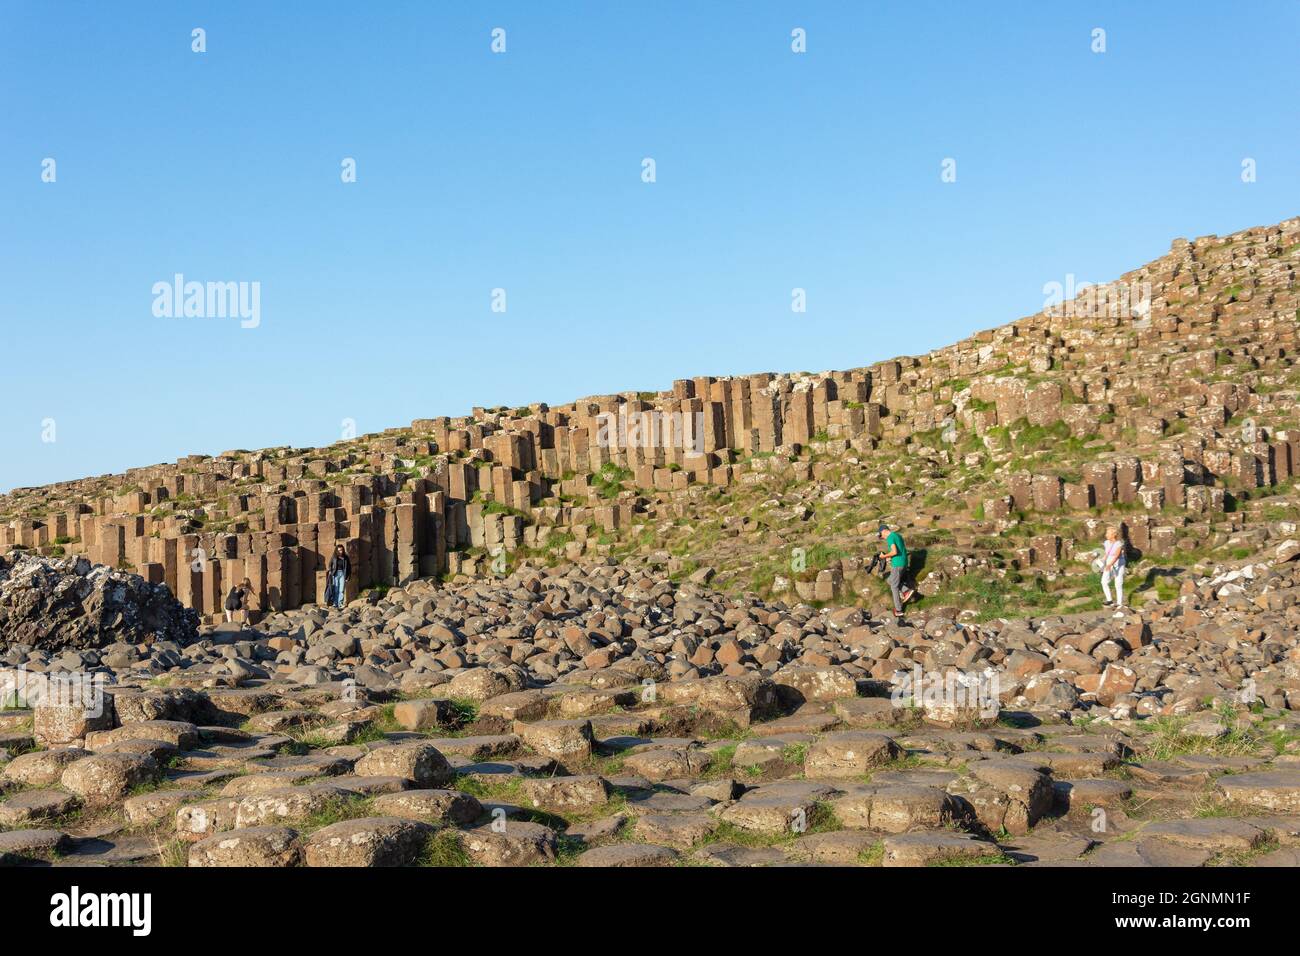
<point x="55" y="604"/>
<point x="605" y="715"/>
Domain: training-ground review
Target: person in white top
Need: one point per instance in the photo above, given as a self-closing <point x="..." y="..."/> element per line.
<point x="1112" y="567"/>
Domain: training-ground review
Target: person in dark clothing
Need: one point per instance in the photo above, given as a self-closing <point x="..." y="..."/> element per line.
<point x="234" y="602"/>
<point x="337" y="574"/>
<point x="239" y="601"/>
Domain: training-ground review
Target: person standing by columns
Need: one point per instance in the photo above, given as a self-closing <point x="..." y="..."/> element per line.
<point x="337" y="574"/>
<point x="1113" y="562"/>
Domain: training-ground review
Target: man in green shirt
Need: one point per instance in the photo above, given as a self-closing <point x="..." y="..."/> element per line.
<point x="895" y="554"/>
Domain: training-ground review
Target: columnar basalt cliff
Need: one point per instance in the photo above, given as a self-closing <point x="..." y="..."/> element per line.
<point x="1163" y="401"/>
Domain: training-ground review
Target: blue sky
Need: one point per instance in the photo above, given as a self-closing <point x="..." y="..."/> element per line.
<point x="522" y="171"/>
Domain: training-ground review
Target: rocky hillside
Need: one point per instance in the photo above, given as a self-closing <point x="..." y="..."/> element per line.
<point x="1164" y="401"/>
<point x="566" y="644"/>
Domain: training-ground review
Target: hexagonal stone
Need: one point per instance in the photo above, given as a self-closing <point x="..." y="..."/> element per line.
<point x="1157" y="852"/>
<point x="1005" y="796"/>
<point x="148" y="808"/>
<point x="255" y="846"/>
<point x="368" y="841"/>
<point x="15" y="719"/>
<point x="291" y="803"/>
<point x="341" y="733"/>
<point x="431" y="806"/>
<point x="265" y="782"/>
<point x="478" y="684"/>
<point x="1277" y="790"/>
<point x="1166" y="773"/>
<point x="681" y="830"/>
<point x="896" y="808"/>
<point x="815" y="683"/>
<point x="421" y="763"/>
<point x="1284" y="856"/>
<point x="566" y="794"/>
<point x="61" y="723"/>
<point x="41" y="768"/>
<point x="370" y="786"/>
<point x="667" y="763"/>
<point x="29" y="806"/>
<point x="21" y="846"/>
<point x="198" y="820"/>
<point x="871" y="712"/>
<point x="517" y="705"/>
<point x="739" y="698"/>
<point x="804" y="722"/>
<point x="508" y="843"/>
<point x="772" y="813"/>
<point x="564" y="740"/>
<point x="1088" y="743"/>
<point x="665" y="801"/>
<point x="849" y="754"/>
<point x="968" y="712"/>
<point x="985" y="741"/>
<point x="275" y="721"/>
<point x="1069" y="764"/>
<point x="1082" y="795"/>
<point x="168" y="704"/>
<point x="921" y="849"/>
<point x="1226" y="764"/>
<point x="1285" y="829"/>
<point x="1148" y="852"/>
<point x="1213" y="833"/>
<point x="1050" y="847"/>
<point x="628" y="854"/>
<point x="15" y="742"/>
<point x="159" y="751"/>
<point x="586" y="703"/>
<point x="422" y="714"/>
<point x="595" y="831"/>
<point x="767" y="753"/>
<point x="225" y="757"/>
<point x="178" y="733"/>
<point x="478" y="747"/>
<point x="490" y="773"/>
<point x="725" y="854"/>
<point x="320" y="764"/>
<point x="843" y="847"/>
<point x="718" y="790"/>
<point x="233" y="704"/>
<point x="921" y="776"/>
<point x="103" y="779"/>
<point x="605" y="727"/>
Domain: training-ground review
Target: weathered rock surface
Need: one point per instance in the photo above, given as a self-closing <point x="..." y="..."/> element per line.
<point x="56" y="604"/>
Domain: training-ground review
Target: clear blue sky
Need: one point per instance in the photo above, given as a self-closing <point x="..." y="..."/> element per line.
<point x="523" y="171"/>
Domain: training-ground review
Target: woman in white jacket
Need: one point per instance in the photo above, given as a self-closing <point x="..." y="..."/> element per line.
<point x="1112" y="567"/>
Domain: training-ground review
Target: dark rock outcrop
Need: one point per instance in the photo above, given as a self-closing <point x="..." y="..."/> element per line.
<point x="68" y="603"/>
